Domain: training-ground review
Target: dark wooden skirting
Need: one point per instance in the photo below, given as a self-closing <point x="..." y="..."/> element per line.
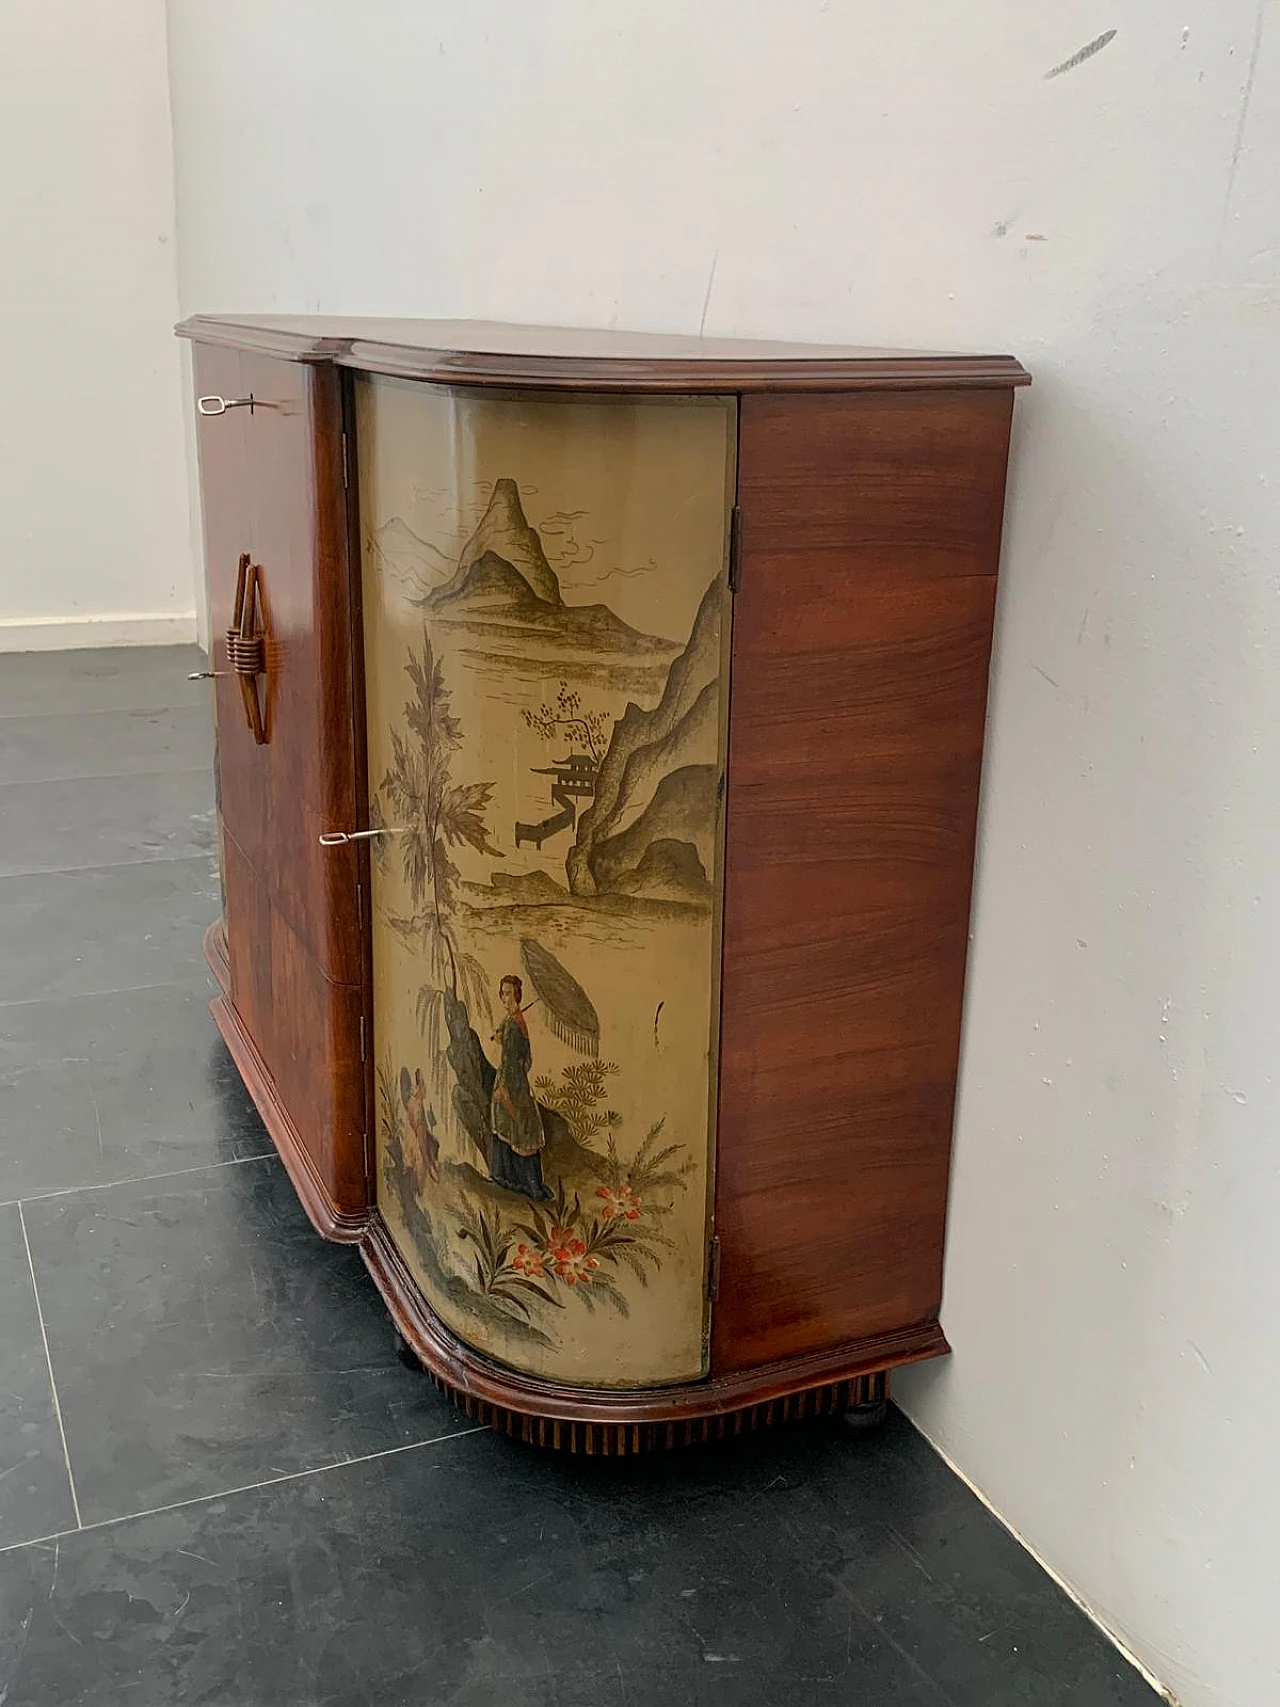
<point x="327" y="1219"/>
<point x="616" y="1440"/>
<point x="696" y="1410"/>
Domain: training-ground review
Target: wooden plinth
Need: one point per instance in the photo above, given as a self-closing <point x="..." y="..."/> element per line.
<point x="616" y="1421"/>
<point x="616" y="1440"/>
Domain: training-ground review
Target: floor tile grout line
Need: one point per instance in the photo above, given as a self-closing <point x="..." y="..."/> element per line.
<point x="205" y="857"/>
<point x="191" y="983"/>
<point x="105" y="776"/>
<point x="195" y="705"/>
<point x="53" y="1384"/>
<point x="99" y="710"/>
<point x="135" y="1179"/>
<point x="102" y="711"/>
<point x="107" y="864"/>
<point x="246" y="1488"/>
<point x="113" y="864"/>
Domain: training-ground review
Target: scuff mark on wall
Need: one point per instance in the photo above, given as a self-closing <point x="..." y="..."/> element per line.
<point x="1086" y="52"/>
<point x="706" y="300"/>
<point x="1200" y="1357"/>
<point x="1240" y="122"/>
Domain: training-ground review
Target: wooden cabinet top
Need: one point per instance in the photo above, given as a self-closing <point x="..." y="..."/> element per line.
<point x="479" y="352"/>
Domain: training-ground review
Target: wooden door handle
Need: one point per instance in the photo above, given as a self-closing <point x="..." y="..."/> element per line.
<point x="247" y="644"/>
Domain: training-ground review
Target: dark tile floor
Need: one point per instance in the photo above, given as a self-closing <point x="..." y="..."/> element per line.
<point x="217" y="1485"/>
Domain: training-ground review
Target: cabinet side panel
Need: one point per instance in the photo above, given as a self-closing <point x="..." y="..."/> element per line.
<point x="272" y="487"/>
<point x="272" y="491"/>
<point x="861" y="644"/>
<point x="306" y="1031"/>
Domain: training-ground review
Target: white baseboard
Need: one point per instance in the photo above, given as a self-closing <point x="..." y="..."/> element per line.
<point x="61" y="633"/>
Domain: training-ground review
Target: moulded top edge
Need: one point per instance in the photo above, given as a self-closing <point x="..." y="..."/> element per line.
<point x="491" y="353"/>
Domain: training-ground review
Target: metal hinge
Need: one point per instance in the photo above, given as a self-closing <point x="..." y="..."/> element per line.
<point x="362" y="1048"/>
<point x="735" y="548"/>
<point x="713" y="1269"/>
<point x="346" y="473"/>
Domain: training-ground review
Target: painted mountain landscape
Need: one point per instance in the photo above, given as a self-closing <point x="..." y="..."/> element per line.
<point x="639" y="816"/>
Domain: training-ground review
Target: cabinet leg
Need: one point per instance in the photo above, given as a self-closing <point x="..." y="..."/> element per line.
<point x="868" y="1404"/>
<point x="865" y="1419"/>
<point x="407" y="1355"/>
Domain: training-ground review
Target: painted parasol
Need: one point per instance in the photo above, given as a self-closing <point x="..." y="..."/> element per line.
<point x="568" y="1007"/>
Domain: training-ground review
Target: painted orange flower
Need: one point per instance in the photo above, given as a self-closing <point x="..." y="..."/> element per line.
<point x="572" y="1264"/>
<point x="528" y="1262"/>
<point x="619" y="1201"/>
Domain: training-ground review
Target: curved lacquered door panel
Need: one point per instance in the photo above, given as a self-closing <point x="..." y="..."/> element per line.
<point x="546" y="620"/>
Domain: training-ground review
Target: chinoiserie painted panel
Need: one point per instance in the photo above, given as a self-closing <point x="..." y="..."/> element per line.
<point x="546" y="639"/>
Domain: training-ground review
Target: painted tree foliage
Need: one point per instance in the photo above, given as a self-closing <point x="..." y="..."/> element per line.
<point x="433" y="814"/>
<point x="586" y="731"/>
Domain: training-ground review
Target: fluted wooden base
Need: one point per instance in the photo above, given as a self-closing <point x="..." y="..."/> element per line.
<point x="853" y="1380"/>
<point x="864" y="1397"/>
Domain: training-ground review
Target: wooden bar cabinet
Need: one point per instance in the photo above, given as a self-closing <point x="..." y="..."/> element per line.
<point x="599" y="730"/>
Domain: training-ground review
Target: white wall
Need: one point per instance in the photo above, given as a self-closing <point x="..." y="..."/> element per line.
<point x="95" y="544"/>
<point x="840" y="170"/>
